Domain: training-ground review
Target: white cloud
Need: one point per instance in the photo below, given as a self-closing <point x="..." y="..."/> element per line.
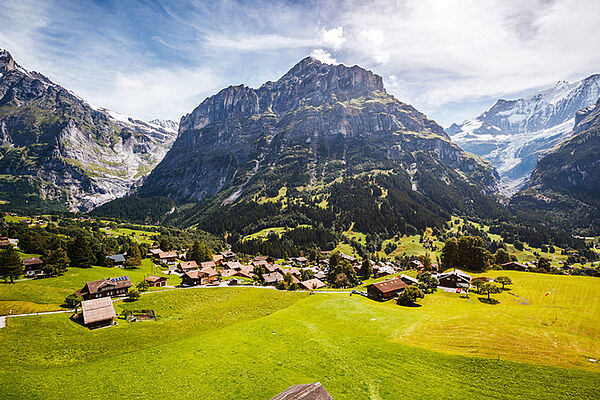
<point x="323" y="56"/>
<point x="374" y="41"/>
<point x="333" y="38"/>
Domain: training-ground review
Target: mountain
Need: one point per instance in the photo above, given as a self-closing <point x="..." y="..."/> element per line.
<point x="514" y="133"/>
<point x="565" y="184"/>
<point x="57" y="151"/>
<point x="322" y="143"/>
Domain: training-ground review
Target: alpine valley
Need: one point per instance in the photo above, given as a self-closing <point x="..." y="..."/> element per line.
<point x="60" y="153"/>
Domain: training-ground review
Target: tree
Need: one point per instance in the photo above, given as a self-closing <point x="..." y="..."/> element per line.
<point x="80" y="252"/>
<point x="200" y="252"/>
<point x="410" y="295"/>
<point x="503" y="280"/>
<point x="450" y="253"/>
<point x="543" y="264"/>
<point x="501" y="257"/>
<point x="56" y="262"/>
<point x="366" y="270"/>
<point x="489" y="288"/>
<point x="143" y="286"/>
<point x="426" y="261"/>
<point x="334" y="260"/>
<point x="133" y="294"/>
<point x="164" y="245"/>
<point x="11" y="265"/>
<point x="306" y="274"/>
<point x="134" y="256"/>
<point x="73" y="300"/>
<point x="477" y="284"/>
<point x="428" y="282"/>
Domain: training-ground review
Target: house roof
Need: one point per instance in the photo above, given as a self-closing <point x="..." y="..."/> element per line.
<point x="272" y="277"/>
<point x="311" y="284"/>
<point x="32" y="261"/>
<point x="154" y="278"/>
<point x="97" y="310"/>
<point x="232" y="265"/>
<point x="217" y="257"/>
<point x="409" y="278"/>
<point x="260" y="258"/>
<point x="117" y="257"/>
<point x="515" y="264"/>
<point x="347" y="257"/>
<point x="209" y="271"/>
<point x="309" y="391"/>
<point x="227" y="254"/>
<point x="388" y="286"/>
<point x="167" y="254"/>
<point x="208" y="264"/>
<point x="109" y="283"/>
<point x="458" y="273"/>
<point x="185" y="265"/>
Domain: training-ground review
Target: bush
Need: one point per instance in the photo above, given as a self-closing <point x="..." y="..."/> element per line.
<point x="410" y="295"/>
<point x="133" y="294"/>
<point x="73" y="300"/>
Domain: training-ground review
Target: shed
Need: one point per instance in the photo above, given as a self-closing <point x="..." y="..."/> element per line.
<point x="98" y="312"/>
<point x="156" y="281"/>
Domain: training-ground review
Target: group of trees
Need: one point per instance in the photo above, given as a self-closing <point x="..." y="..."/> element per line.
<point x="467" y="252"/>
<point x="341" y="273"/>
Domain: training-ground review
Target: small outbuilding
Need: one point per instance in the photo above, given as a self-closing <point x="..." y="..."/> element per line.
<point x="98" y="312"/>
<point x="156" y="281"/>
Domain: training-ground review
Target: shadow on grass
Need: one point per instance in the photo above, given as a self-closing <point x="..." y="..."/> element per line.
<point x="414" y="305"/>
<point x="488" y="301"/>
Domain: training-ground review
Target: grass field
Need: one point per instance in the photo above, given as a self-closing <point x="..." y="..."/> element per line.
<point x="47" y="294"/>
<point x="234" y="343"/>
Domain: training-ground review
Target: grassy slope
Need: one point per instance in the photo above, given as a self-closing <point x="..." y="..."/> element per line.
<point x="47" y="294"/>
<point x="233" y="343"/>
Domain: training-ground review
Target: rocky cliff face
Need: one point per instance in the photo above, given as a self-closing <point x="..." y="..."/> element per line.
<point x="315" y="126"/>
<point x="66" y="152"/>
<point x="513" y="134"/>
<point x="566" y="181"/>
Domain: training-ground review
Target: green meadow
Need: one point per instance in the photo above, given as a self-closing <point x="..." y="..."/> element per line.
<point x="38" y="295"/>
<point x="250" y="343"/>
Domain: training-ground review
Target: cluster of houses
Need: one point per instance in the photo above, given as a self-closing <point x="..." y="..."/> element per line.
<point x="390" y="288"/>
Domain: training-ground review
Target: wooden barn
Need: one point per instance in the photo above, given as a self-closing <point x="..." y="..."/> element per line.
<point x="98" y="312"/>
<point x="386" y="289"/>
<point x="156" y="281"/>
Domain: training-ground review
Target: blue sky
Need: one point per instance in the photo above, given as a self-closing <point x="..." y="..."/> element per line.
<point x="451" y="60"/>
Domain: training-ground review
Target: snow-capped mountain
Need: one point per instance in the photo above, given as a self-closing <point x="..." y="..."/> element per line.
<point x="58" y="151"/>
<point x="513" y="133"/>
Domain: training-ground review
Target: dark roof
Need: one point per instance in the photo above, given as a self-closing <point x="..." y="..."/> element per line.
<point x="309" y="391"/>
<point x="114" y="283"/>
<point x="388" y="286"/>
<point x="458" y="273"/>
<point x="515" y="264"/>
<point x="97" y="310"/>
<point x="117" y="257"/>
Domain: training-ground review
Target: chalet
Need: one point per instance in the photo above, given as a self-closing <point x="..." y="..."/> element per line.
<point x="311" y="284"/>
<point x="199" y="277"/>
<point x="187" y="266"/>
<point x="116" y="260"/>
<point x="301" y="261"/>
<point x="293" y="270"/>
<point x="33" y="266"/>
<point x="98" y="312"/>
<point x="167" y="256"/>
<point x="228" y="255"/>
<point x="217" y="259"/>
<point x="266" y="259"/>
<point x="383" y="270"/>
<point x="232" y="265"/>
<point x="154" y="252"/>
<point x="105" y="288"/>
<point x="386" y="289"/>
<point x="309" y="391"/>
<point x="515" y="266"/>
<point x="409" y="280"/>
<point x="454" y="279"/>
<point x="156" y="281"/>
<point x="272" y="278"/>
<point x="4" y="244"/>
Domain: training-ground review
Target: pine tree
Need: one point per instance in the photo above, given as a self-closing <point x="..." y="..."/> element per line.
<point x="134" y="256"/>
<point x="11" y="265"/>
<point x="366" y="270"/>
<point x="56" y="262"/>
<point x="80" y="253"/>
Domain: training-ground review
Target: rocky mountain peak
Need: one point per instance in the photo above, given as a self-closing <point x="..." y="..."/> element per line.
<point x="7" y="63"/>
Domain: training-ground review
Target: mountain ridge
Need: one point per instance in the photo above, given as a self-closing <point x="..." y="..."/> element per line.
<point x="60" y="151"/>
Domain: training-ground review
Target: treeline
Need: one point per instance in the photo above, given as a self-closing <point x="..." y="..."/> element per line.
<point x="136" y="209"/>
<point x="308" y="241"/>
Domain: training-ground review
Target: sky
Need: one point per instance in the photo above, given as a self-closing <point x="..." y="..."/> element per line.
<point x="156" y="59"/>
